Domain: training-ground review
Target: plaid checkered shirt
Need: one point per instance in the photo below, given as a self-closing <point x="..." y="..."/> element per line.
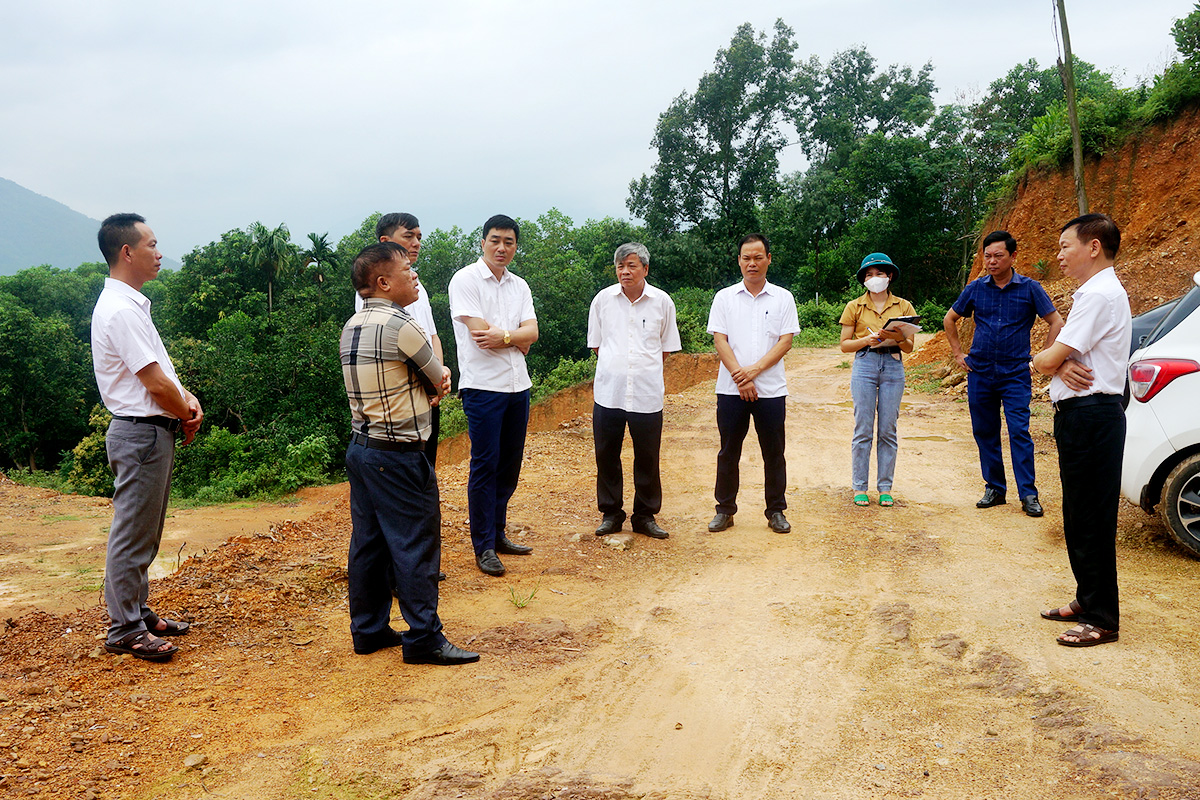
<point x="390" y="372"/>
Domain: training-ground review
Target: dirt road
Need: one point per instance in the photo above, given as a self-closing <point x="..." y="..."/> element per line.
<point x="871" y="653"/>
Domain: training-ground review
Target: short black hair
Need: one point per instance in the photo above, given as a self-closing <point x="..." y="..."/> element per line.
<point x="371" y="260"/>
<point x="116" y="232"/>
<point x="754" y="237"/>
<point x="502" y="223"/>
<point x="1010" y="243"/>
<point x="1097" y="226"/>
<point x="388" y="224"/>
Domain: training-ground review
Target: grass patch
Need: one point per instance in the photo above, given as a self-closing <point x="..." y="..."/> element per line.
<point x="521" y="600"/>
<point x="817" y="337"/>
<point x="918" y="378"/>
<point x="50" y="519"/>
<point x="844" y="365"/>
<point x="41" y="479"/>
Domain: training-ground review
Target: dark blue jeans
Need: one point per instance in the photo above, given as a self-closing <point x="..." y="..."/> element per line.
<point x="733" y="421"/>
<point x="496" y="423"/>
<point x="986" y="393"/>
<point x="394" y="509"/>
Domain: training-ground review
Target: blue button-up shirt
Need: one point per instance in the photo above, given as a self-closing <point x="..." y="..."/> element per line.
<point x="1003" y="319"/>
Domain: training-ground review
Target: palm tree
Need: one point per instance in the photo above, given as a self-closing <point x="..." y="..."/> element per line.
<point x="271" y="251"/>
<point x="320" y="253"/>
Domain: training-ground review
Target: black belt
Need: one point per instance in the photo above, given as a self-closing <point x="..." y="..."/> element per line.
<point x="167" y="423"/>
<point x="881" y="350"/>
<point x="383" y="444"/>
<point x="1088" y="400"/>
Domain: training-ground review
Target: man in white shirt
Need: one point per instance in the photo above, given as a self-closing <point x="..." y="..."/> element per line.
<point x="494" y="326"/>
<point x="752" y="324"/>
<point x="138" y="384"/>
<point x="1088" y="364"/>
<point x="631" y="328"/>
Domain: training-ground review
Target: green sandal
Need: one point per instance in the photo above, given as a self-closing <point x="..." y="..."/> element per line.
<point x="862" y="500"/>
<point x="886" y="500"/>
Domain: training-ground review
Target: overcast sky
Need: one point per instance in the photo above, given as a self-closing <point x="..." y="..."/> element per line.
<point x="210" y="116"/>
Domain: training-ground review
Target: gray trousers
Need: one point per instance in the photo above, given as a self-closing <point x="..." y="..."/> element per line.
<point x="141" y="456"/>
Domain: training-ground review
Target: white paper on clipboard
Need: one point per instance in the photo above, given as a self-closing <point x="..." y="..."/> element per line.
<point x="907" y="326"/>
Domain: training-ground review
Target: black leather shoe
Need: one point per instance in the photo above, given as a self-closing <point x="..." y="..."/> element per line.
<point x="720" y="522"/>
<point x="1031" y="506"/>
<point x="445" y="656"/>
<point x="441" y="576"/>
<point x="610" y="524"/>
<point x="648" y="527"/>
<point x="489" y="563"/>
<point x="778" y="523"/>
<point x="990" y="498"/>
<point x="511" y="548"/>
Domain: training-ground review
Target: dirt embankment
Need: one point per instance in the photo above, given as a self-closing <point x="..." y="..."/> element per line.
<point x="1150" y="187"/>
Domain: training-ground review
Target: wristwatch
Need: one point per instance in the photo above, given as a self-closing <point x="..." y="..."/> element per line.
<point x="507" y="338"/>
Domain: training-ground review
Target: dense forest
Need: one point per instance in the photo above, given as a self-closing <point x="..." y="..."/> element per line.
<point x="252" y="320"/>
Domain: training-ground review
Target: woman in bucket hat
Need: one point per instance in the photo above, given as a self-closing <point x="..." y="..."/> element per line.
<point x="877" y="379"/>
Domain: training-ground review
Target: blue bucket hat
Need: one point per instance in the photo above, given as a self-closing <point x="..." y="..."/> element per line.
<point x="881" y="261"/>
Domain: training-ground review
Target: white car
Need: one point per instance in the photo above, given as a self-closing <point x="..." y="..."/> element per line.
<point x="1162" y="446"/>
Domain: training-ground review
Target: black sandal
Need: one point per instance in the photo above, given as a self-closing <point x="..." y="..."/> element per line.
<point x="143" y="645"/>
<point x="174" y="627"/>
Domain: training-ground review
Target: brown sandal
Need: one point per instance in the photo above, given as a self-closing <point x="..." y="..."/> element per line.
<point x="1087" y="635"/>
<point x="1057" y="617"/>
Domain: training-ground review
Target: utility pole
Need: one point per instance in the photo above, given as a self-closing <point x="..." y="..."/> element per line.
<point x="1067" y="71"/>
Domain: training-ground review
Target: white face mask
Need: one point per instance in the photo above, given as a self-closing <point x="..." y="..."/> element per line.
<point x="877" y="284"/>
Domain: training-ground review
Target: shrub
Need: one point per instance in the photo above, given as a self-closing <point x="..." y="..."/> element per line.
<point x="86" y="469"/>
<point x="568" y="372"/>
<point x="692" y="305"/>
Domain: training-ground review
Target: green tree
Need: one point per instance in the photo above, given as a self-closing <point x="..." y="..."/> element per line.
<point x="46" y="384"/>
<point x="272" y="253"/>
<point x="718" y="148"/>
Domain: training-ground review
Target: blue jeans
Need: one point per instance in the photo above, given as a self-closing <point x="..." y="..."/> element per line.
<point x="876" y="384"/>
<point x="496" y="423"/>
<point x="985" y="394"/>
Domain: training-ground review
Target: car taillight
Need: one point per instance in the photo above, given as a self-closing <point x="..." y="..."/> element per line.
<point x="1147" y="378"/>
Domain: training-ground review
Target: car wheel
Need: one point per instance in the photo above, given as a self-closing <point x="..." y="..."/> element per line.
<point x="1181" y="504"/>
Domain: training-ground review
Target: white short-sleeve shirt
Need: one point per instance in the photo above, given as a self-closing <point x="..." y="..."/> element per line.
<point x="631" y="338"/>
<point x="754" y="325"/>
<point x="505" y="303"/>
<point x="124" y="342"/>
<point x="1099" y="329"/>
<point x="419" y="309"/>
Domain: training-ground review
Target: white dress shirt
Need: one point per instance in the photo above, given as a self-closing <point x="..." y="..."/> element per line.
<point x="631" y="338"/>
<point x="1099" y="329"/>
<point x="505" y="303"/>
<point x="124" y="342"/>
<point x="754" y="325"/>
<point x="419" y="309"/>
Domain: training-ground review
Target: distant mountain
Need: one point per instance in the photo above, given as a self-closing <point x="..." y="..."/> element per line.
<point x="37" y="230"/>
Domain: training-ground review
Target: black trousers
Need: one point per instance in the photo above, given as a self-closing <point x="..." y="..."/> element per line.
<point x="1091" y="440"/>
<point x="645" y="431"/>
<point x="733" y="421"/>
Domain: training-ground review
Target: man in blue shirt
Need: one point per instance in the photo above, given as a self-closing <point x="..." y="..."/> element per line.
<point x="1005" y="305"/>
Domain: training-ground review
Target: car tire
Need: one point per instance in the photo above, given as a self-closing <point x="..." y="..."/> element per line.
<point x="1181" y="504"/>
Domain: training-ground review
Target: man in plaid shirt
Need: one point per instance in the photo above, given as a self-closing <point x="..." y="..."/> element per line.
<point x="392" y="381"/>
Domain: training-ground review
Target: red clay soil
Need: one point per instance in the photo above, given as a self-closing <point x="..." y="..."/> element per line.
<point x="1150" y="187"/>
